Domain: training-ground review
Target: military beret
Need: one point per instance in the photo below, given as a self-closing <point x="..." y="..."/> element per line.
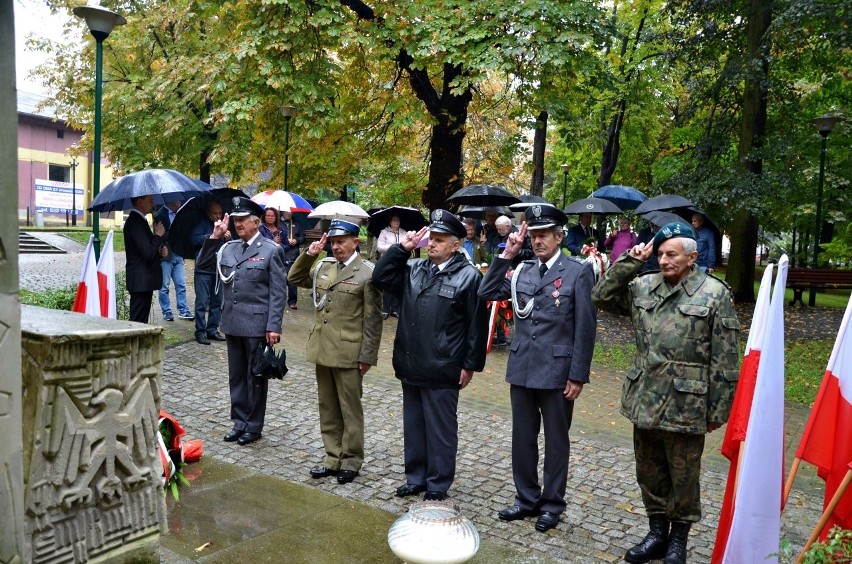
<point x="244" y="207"/>
<point x="671" y="230"/>
<point x="543" y="216"/>
<point x="340" y="227"/>
<point x="445" y="222"/>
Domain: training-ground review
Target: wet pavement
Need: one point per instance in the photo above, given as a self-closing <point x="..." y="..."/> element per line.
<point x="258" y="503"/>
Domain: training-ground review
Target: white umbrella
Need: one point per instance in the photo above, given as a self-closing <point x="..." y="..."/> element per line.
<point x="339" y="209"/>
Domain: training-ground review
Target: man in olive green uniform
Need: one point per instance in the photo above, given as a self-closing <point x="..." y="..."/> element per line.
<point x="344" y="343"/>
<point x="682" y="382"/>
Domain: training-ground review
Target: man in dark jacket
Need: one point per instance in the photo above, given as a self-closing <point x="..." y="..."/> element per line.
<point x="549" y="361"/>
<point x="208" y="294"/>
<point x="440" y="343"/>
<point x="290" y="241"/>
<point x="142" y="249"/>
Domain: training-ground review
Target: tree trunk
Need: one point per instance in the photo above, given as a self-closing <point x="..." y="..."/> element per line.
<point x="539" y="146"/>
<point x="744" y="232"/>
<point x="612" y="149"/>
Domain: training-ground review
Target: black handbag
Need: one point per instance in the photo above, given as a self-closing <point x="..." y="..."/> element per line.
<point x="265" y="363"/>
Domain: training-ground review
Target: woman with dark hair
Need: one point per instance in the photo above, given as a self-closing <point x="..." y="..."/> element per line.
<point x="269" y="225"/>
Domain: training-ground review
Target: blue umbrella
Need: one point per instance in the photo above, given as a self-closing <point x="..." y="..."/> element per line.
<point x="625" y="197"/>
<point x="164" y="184"/>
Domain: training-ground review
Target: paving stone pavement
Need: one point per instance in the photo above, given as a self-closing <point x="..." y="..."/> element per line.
<point x="604" y="515"/>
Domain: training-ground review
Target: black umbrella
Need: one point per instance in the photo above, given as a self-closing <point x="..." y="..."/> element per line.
<point x="596" y="206"/>
<point x="662" y="218"/>
<point x="527" y="200"/>
<point x="483" y="195"/>
<point x="663" y="202"/>
<point x="164" y="184"/>
<point x="625" y="197"/>
<point x="478" y="212"/>
<point x="410" y="219"/>
<point x="192" y="213"/>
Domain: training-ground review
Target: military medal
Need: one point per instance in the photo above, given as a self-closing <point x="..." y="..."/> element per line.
<point x="555" y="293"/>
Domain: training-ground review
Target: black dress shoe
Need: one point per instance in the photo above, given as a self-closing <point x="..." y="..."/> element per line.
<point x="322" y="472"/>
<point x="217" y="336"/>
<point x="516" y="513"/>
<point x="202" y="339"/>
<point x="346" y="476"/>
<point x="233" y="435"/>
<point x="434" y="496"/>
<point x="248" y="438"/>
<point x="546" y="521"/>
<point x="406" y="490"/>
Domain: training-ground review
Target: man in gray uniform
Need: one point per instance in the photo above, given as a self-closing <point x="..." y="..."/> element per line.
<point x="252" y="270"/>
<point x="549" y="359"/>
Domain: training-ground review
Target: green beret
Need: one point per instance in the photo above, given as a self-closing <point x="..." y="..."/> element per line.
<point x="671" y="230"/>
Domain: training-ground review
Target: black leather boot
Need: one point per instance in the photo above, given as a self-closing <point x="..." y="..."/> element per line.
<point x="676" y="554"/>
<point x="654" y="544"/>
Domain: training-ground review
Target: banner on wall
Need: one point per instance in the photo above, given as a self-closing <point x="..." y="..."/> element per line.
<point x="58" y="197"/>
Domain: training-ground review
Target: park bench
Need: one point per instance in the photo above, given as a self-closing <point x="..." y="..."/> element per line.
<point x="801" y="279"/>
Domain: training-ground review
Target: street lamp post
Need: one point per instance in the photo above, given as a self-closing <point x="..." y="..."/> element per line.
<point x="73" y="164"/>
<point x="287" y="112"/>
<point x="564" y="183"/>
<point x="824" y="125"/>
<point x="100" y="22"/>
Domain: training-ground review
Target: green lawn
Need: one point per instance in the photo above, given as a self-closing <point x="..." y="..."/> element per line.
<point x="83" y="237"/>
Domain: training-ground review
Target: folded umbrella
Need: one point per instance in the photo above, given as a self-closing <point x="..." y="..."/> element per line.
<point x="164" y="184"/>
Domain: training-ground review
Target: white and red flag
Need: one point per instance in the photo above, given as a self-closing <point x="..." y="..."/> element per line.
<point x="87" y="301"/>
<point x="106" y="278"/>
<point x="735" y="432"/>
<point x="827" y="440"/>
<point x="755" y="529"/>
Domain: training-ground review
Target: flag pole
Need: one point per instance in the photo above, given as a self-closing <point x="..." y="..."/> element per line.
<point x="794" y="469"/>
<point x="826" y="515"/>
<point x="492" y="324"/>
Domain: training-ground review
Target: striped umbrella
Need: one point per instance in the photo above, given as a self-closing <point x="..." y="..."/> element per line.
<point x="282" y="201"/>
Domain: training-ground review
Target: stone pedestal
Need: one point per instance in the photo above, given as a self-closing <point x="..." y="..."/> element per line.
<point x="92" y="473"/>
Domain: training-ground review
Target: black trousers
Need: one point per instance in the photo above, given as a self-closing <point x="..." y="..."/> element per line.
<point x="530" y="408"/>
<point x="431" y="436"/>
<point x="140" y="306"/>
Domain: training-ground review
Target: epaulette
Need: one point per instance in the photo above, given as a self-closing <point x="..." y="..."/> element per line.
<point x="576" y="259"/>
<point x="722" y="281"/>
<point x="315" y="267"/>
<point x="368" y="264"/>
<point x="647" y="272"/>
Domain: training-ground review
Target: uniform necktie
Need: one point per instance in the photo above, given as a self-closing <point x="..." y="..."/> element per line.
<point x="245" y="246"/>
<point x="586" y="231"/>
<point x="542" y="269"/>
<point x="340" y="266"/>
<point x="434" y="270"/>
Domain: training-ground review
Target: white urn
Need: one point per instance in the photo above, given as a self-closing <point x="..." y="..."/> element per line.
<point x="433" y="532"/>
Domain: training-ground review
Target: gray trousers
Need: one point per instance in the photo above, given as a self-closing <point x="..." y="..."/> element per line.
<point x="248" y="394"/>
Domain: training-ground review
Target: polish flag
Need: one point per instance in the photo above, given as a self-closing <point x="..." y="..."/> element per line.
<point x="86" y="300"/>
<point x="755" y="530"/>
<point x="826" y="442"/>
<point x="106" y="279"/>
<point x="735" y="432"/>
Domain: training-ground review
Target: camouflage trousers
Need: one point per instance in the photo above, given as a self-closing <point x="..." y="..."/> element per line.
<point x="668" y="469"/>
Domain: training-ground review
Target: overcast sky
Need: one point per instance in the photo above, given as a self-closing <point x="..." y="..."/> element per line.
<point x="33" y="17"/>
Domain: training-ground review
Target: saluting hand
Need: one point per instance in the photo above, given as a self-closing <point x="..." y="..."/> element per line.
<point x="315" y="248"/>
<point x="514" y="242"/>
<point x="642" y="251"/>
<point x="412" y="238"/>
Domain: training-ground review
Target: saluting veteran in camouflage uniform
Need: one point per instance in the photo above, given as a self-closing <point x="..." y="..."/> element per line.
<point x="344" y="343"/>
<point x="682" y="382"/>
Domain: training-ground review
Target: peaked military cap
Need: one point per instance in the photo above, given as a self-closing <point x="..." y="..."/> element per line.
<point x="340" y="227"/>
<point x="445" y="222"/>
<point x="244" y="207"/>
<point x="543" y="216"/>
<point x="671" y="230"/>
